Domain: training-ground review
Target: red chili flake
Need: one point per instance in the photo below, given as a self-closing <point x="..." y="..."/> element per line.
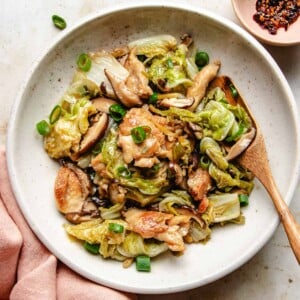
<point x="273" y="14"/>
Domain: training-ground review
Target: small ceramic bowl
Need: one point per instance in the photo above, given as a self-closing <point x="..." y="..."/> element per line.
<point x="246" y="9"/>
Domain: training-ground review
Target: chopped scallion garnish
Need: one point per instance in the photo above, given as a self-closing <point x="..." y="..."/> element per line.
<point x="43" y="127"/>
<point x="98" y="148"/>
<point x="140" y="133"/>
<point x="124" y="172"/>
<point x="59" y="22"/>
<point x="142" y="58"/>
<point x="170" y="63"/>
<point x="84" y="63"/>
<point x="143" y="263"/>
<point x="92" y="248"/>
<point x="153" y="98"/>
<point x="233" y="91"/>
<point x="55" y="114"/>
<point x="117" y="112"/>
<point x="116" y="228"/>
<point x="244" y="199"/>
<point x="204" y="162"/>
<point x="201" y="59"/>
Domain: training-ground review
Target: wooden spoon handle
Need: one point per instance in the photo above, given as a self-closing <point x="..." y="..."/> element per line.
<point x="291" y="227"/>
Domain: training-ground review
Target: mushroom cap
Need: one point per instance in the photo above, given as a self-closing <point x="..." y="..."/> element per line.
<point x="176" y="102"/>
<point x="241" y="145"/>
<point x="94" y="133"/>
<point x="103" y="104"/>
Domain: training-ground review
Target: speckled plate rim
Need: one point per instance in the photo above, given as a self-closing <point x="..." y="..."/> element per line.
<point x="265" y="236"/>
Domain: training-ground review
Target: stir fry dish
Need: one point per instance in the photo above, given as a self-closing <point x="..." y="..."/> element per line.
<point x="146" y="137"/>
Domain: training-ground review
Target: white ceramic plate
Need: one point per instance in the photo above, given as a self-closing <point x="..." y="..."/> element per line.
<point x="255" y="74"/>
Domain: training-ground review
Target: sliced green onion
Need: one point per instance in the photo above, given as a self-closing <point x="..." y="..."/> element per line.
<point x="204" y="162"/>
<point x="233" y="91"/>
<point x="92" y="248"/>
<point x="124" y="172"/>
<point x="170" y="63"/>
<point x="55" y="114"/>
<point x="83" y="90"/>
<point x="98" y="148"/>
<point x="115" y="227"/>
<point x="244" y="199"/>
<point x="59" y="22"/>
<point x="139" y="134"/>
<point x="84" y="63"/>
<point x="143" y="263"/>
<point x="117" y="112"/>
<point x="43" y="127"/>
<point x="153" y="98"/>
<point x="201" y="59"/>
<point x="142" y="57"/>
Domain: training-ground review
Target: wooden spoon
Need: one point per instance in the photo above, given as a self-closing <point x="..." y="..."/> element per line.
<point x="255" y="159"/>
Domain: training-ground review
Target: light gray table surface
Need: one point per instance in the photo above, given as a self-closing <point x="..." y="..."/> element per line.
<point x="25" y="32"/>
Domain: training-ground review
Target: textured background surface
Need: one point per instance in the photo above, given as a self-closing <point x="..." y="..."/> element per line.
<point x="26" y="30"/>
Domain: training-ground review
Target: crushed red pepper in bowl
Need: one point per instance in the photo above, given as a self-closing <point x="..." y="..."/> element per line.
<point x="273" y="14"/>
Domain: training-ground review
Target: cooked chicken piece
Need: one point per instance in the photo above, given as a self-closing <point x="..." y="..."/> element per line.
<point x="203" y="204"/>
<point x="146" y="162"/>
<point x="173" y="238"/>
<point x="124" y="94"/>
<point x="137" y="80"/>
<point x="133" y="151"/>
<point x="199" y="183"/>
<point x="154" y="144"/>
<point x="200" y="83"/>
<point x="71" y="189"/>
<point x="147" y="223"/>
<point x="183" y="222"/>
<point x="135" y="87"/>
<point x="161" y="226"/>
<point x="97" y="164"/>
<point x="116" y="193"/>
<point x="180" y="175"/>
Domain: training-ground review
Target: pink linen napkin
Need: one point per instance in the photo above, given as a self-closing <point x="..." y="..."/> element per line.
<point x="27" y="269"/>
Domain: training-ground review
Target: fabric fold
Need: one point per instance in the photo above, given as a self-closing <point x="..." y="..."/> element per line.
<point x="27" y="269"/>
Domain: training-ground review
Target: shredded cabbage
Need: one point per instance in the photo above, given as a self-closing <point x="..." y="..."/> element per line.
<point x="135" y="245"/>
<point x="154" y="45"/>
<point x="224" y="207"/>
<point x="65" y="135"/>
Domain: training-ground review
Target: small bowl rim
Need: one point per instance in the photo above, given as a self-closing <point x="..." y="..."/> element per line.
<point x="258" y="33"/>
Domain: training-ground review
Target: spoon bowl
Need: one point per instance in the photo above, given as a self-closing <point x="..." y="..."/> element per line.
<point x="254" y="157"/>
